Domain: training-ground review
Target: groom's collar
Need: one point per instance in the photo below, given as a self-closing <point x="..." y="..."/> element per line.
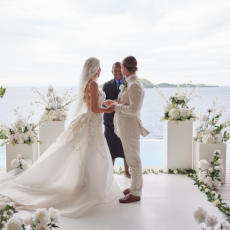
<point x="130" y="77"/>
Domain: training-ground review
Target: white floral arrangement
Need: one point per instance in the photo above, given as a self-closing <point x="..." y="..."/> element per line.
<point x="176" y="108"/>
<point x="210" y="173"/>
<point x="209" y="222"/>
<point x="23" y="131"/>
<point x="42" y="219"/>
<point x="55" y="107"/>
<point x="211" y="130"/>
<point x="20" y="163"/>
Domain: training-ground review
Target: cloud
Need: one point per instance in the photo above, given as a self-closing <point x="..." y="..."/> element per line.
<point x="46" y="42"/>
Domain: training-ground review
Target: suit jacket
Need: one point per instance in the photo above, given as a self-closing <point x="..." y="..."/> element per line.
<point x="127" y="117"/>
<point x="111" y="92"/>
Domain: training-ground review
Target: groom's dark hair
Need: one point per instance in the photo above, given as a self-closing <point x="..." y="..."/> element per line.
<point x="130" y="63"/>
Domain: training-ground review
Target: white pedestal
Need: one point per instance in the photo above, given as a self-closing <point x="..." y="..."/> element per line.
<point x="205" y="152"/>
<point x="48" y="133"/>
<point x="29" y="152"/>
<point x="178" y="144"/>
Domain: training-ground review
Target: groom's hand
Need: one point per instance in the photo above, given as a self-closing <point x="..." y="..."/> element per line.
<point x="108" y="103"/>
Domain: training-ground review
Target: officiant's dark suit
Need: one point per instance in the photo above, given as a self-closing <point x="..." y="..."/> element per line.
<point x="111" y="89"/>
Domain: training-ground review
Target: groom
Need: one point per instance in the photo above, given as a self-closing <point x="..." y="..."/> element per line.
<point x="128" y="126"/>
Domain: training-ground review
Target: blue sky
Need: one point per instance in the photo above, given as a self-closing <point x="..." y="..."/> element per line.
<point x="46" y="42"/>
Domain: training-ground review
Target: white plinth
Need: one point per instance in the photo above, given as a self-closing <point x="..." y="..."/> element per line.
<point x="205" y="152"/>
<point x="48" y="133"/>
<point x="178" y="144"/>
<point x="29" y="152"/>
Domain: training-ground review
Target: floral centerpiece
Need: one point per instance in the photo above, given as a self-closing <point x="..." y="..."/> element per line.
<point x="177" y="109"/>
<point x="55" y="107"/>
<point x="23" y="131"/>
<point x="211" y="130"/>
<point x="210" y="173"/>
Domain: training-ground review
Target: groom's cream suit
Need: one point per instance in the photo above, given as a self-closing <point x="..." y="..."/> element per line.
<point x="128" y="127"/>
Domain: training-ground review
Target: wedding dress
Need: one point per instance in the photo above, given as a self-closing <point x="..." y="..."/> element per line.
<point x="73" y="175"/>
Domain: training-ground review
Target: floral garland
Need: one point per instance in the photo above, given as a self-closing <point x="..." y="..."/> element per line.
<point x="211" y="173"/>
<point x="210" y="130"/>
<point x="42" y="219"/>
<point x="211" y="194"/>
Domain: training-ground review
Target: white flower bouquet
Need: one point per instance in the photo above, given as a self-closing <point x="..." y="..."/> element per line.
<point x="20" y="163"/>
<point x="177" y="109"/>
<point x="55" y="107"/>
<point x="211" y="130"/>
<point x="23" y="131"/>
<point x="42" y="219"/>
<point x="210" y="173"/>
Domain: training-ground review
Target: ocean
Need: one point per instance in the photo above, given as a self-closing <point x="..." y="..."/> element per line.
<point x="22" y="97"/>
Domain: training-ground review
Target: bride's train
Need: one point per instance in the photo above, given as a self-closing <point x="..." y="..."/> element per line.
<point x="73" y="175"/>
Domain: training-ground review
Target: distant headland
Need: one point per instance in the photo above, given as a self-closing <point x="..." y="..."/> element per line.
<point x="149" y="84"/>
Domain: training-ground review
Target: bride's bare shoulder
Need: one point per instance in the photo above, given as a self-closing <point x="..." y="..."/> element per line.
<point x="93" y="84"/>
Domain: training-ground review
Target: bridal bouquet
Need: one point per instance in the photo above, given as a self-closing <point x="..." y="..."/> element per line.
<point x="177" y="108"/>
<point x="210" y="173"/>
<point x="211" y="130"/>
<point x="23" y="131"/>
<point x="2" y="91"/>
<point x="55" y="106"/>
<point x="20" y="163"/>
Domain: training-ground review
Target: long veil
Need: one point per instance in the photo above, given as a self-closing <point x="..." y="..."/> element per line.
<point x="90" y="69"/>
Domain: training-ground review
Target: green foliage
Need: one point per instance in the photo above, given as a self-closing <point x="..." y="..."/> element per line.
<point x="2" y="91"/>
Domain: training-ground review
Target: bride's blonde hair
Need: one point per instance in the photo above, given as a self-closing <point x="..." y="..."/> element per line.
<point x="89" y="73"/>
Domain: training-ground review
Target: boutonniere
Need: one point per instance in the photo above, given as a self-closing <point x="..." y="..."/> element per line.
<point x="123" y="86"/>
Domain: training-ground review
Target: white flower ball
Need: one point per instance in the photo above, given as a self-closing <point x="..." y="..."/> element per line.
<point x="203" y="164"/>
<point x="54" y="214"/>
<point x="174" y="114"/>
<point x="14" y="163"/>
<point x="14" y="223"/>
<point x="168" y="107"/>
<point x="200" y="215"/>
<point x="42" y="216"/>
<point x="211" y="221"/>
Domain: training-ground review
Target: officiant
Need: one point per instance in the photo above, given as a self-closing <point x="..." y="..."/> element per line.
<point x="111" y="89"/>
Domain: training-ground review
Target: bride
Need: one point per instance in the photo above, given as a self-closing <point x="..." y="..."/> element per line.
<point x="76" y="172"/>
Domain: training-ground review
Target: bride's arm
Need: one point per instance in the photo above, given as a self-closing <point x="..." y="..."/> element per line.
<point x="94" y="100"/>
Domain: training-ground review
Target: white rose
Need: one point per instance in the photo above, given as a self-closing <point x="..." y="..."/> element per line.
<point x="168" y="107"/>
<point x="218" y="138"/>
<point x="216" y="202"/>
<point x="42" y="216"/>
<point x="211" y="221"/>
<point x="14" y="163"/>
<point x="208" y="139"/>
<point x="54" y="214"/>
<point x="200" y="215"/>
<point x="203" y="164"/>
<point x="28" y="221"/>
<point x="175" y="171"/>
<point x="14" y="224"/>
<point x="174" y="114"/>
<point x="122" y="87"/>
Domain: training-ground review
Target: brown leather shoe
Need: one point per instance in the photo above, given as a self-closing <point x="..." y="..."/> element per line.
<point x="126" y="191"/>
<point x="130" y="199"/>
